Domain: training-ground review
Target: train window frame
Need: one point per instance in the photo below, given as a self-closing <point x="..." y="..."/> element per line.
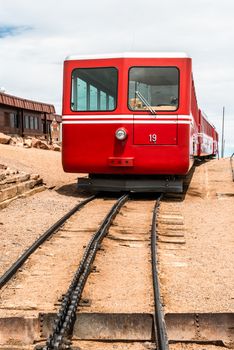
<point x="99" y="91"/>
<point x="156" y="110"/>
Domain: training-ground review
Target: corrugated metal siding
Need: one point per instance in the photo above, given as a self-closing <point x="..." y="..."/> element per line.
<point x="26" y="104"/>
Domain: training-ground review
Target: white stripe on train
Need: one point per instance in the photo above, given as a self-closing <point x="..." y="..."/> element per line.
<point x="126" y="122"/>
<point x="127" y="116"/>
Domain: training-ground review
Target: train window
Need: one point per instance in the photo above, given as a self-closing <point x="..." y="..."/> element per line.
<point x="103" y="100"/>
<point x="94" y="89"/>
<point x="111" y="102"/>
<point x="153" y="88"/>
<point x="80" y="85"/>
<point x="93" y="98"/>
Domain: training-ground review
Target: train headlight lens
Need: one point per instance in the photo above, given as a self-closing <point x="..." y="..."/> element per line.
<point x="121" y="134"/>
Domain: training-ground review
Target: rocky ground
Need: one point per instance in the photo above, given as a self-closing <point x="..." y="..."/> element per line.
<point x="30" y="141"/>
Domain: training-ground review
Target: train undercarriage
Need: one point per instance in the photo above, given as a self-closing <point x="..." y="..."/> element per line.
<point x="133" y="183"/>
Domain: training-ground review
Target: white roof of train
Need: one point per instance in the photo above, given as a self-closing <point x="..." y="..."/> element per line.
<point x="129" y="55"/>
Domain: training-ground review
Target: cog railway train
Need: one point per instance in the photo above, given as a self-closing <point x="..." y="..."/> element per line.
<point x="131" y="121"/>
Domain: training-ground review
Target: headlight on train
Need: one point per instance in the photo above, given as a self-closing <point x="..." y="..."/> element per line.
<point x="121" y="134"/>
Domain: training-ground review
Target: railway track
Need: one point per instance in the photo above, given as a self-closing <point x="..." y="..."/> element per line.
<point x="46" y="235"/>
<point x="66" y="317"/>
<point x="67" y="314"/>
<point x="61" y="336"/>
<point x="159" y="321"/>
<point x="87" y="319"/>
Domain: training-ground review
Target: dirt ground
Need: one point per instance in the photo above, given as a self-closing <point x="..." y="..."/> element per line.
<point x="197" y="273"/>
<point x="54" y="264"/>
<point x="127" y="246"/>
<point x="25" y="219"/>
<point x="32" y="160"/>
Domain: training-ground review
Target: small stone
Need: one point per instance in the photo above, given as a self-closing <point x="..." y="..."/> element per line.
<point x="35" y="176"/>
<point x="4" y="139"/>
<point x="56" y="148"/>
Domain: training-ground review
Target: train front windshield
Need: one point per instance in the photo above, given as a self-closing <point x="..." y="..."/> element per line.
<point x="154" y="88"/>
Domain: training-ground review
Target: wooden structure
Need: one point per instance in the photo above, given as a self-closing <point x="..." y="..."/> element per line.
<point x="24" y="117"/>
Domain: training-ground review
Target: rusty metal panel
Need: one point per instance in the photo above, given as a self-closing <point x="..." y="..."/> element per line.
<point x="21" y="330"/>
<point x="201" y="327"/>
<point x="106" y="326"/>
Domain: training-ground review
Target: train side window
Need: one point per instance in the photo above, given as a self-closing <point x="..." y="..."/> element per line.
<point x="80" y="86"/>
<point x="94" y="89"/>
<point x="103" y="100"/>
<point x="93" y="98"/>
<point x="111" y="102"/>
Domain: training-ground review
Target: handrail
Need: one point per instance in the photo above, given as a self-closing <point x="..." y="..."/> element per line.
<point x="232" y="167"/>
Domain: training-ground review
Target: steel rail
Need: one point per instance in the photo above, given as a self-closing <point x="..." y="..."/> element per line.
<point x="66" y="317"/>
<point x="159" y="322"/>
<point x="20" y="261"/>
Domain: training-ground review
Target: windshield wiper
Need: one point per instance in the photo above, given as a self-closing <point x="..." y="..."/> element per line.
<point x="142" y="98"/>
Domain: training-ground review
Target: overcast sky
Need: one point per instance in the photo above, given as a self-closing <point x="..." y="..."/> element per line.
<point x="36" y="36"/>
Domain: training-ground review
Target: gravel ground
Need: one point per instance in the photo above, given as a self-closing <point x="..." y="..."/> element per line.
<point x="24" y="220"/>
<point x="123" y="283"/>
<point x="47" y="273"/>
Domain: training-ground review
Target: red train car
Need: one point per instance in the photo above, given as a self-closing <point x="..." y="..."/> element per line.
<point x="208" y="137"/>
<point x="131" y="121"/>
<point x="215" y="142"/>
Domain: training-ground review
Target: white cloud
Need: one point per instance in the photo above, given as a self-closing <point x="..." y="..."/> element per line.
<point x="31" y="63"/>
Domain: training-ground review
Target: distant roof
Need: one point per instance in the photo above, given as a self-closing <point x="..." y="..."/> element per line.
<point x="18" y="102"/>
<point x="129" y="55"/>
